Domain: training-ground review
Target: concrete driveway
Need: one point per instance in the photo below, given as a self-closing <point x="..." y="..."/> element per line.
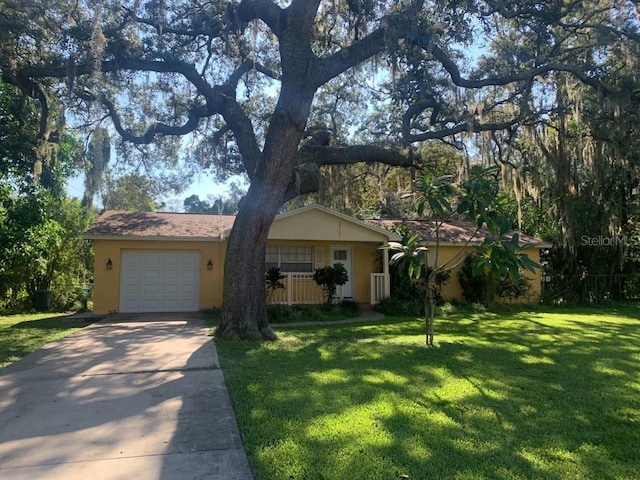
<point x="129" y="397"/>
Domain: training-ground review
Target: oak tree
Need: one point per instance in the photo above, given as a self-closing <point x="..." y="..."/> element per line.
<point x="245" y="81"/>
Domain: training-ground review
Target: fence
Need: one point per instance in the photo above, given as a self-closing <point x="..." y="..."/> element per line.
<point x="596" y="288"/>
<point x="299" y="289"/>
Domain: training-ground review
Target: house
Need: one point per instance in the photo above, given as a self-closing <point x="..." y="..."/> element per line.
<point x="163" y="262"/>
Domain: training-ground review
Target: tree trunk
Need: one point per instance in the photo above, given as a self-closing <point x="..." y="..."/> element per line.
<point x="430" y="308"/>
<point x="244" y="309"/>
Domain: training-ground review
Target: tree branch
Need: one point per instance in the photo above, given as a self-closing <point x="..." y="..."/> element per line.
<point x="330" y="67"/>
<point x="220" y="99"/>
<point x="457" y="78"/>
<point x="215" y="28"/>
<point x="306" y="176"/>
<point x="348" y="155"/>
<point x="265" y="10"/>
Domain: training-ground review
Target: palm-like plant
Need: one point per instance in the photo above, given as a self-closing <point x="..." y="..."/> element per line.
<point x="478" y="200"/>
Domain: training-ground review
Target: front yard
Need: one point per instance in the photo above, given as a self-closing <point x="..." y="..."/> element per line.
<point x="545" y="394"/>
<point x="24" y="333"/>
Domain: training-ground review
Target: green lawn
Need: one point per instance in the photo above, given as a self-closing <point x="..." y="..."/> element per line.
<point x="535" y="394"/>
<point x="22" y="334"/>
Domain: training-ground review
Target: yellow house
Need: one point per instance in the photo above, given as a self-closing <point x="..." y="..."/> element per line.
<point x="173" y="262"/>
<point x="163" y="262"/>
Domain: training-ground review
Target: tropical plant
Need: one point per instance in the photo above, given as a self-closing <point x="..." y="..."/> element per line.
<point x="329" y="278"/>
<point x="476" y="199"/>
<point x="273" y="281"/>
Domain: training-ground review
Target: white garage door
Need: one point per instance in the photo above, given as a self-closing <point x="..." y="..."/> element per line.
<point x="160" y="282"/>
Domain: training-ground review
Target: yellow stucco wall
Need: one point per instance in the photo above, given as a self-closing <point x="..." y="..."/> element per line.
<point x="320" y="225"/>
<point x="106" y="283"/>
<point x="452" y="289"/>
<point x="106" y="286"/>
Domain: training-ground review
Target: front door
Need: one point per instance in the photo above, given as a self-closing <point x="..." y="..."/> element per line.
<point x="343" y="255"/>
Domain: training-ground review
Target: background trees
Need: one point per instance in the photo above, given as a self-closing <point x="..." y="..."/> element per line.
<point x="284" y="93"/>
<point x="41" y="248"/>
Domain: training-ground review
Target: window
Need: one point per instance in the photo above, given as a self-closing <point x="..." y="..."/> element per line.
<point x="340" y="255"/>
<point x="290" y="259"/>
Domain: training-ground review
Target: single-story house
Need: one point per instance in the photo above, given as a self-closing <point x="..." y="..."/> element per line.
<point x="163" y="262"/>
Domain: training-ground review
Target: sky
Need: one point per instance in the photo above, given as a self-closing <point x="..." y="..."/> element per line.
<point x="202" y="186"/>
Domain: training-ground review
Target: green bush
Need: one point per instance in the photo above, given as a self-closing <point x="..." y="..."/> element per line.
<point x="68" y="295"/>
<point x="405" y="300"/>
<point x="312" y="313"/>
<point x="482" y="289"/>
<point x="349" y="307"/>
<point x="329" y="278"/>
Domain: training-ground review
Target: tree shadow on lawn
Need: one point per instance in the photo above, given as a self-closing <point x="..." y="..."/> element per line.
<point x="491" y="402"/>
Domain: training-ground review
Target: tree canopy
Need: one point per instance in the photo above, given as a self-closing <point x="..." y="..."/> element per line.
<point x="277" y="90"/>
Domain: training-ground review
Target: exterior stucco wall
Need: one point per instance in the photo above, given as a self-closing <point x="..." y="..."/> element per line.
<point x="320" y="225"/>
<point x="106" y="286"/>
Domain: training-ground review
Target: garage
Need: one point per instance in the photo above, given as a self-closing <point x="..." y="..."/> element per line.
<point x="159" y="281"/>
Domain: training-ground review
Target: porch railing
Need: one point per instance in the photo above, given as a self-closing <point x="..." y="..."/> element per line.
<point x="299" y="289"/>
<point x="377" y="287"/>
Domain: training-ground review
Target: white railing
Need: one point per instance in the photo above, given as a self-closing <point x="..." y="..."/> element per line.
<point x="378" y="291"/>
<point x="299" y="289"/>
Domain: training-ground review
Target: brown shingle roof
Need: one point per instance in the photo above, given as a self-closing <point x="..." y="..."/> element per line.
<point x="451" y="232"/>
<point x="159" y="225"/>
<point x="199" y="226"/>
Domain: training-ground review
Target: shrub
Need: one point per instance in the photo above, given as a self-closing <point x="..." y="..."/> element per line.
<point x="273" y="281"/>
<point x="311" y="313"/>
<point x="329" y="278"/>
<point x="349" y="307"/>
<point x="405" y="300"/>
<point x="482" y="289"/>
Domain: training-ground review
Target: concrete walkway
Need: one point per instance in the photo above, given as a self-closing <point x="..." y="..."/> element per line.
<point x="129" y="397"/>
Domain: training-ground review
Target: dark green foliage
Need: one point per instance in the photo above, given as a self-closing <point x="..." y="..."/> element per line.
<point x="273" y="281"/>
<point x="407" y="295"/>
<point x="405" y="301"/>
<point x="329" y="278"/>
<point x="349" y="307"/>
<point x="483" y="288"/>
<point x="312" y="313"/>
<point x="41" y="249"/>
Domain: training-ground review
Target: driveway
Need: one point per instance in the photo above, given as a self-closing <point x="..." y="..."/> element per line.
<point x="129" y="397"/>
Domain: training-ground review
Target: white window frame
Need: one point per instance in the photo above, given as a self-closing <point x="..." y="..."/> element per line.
<point x="282" y="251"/>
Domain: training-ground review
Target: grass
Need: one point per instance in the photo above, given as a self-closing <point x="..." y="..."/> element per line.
<point x="24" y="333"/>
<point x="544" y="394"/>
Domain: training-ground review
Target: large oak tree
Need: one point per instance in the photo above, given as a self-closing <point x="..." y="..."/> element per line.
<point x="246" y="79"/>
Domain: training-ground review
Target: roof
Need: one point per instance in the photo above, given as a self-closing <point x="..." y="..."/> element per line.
<point x="114" y="224"/>
<point x="451" y="232"/>
<point x="118" y="225"/>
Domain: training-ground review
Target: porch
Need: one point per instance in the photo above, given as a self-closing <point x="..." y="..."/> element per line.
<point x="300" y="289"/>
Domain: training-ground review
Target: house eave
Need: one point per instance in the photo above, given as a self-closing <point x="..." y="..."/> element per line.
<point x="154" y="238"/>
<point x="390" y="236"/>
